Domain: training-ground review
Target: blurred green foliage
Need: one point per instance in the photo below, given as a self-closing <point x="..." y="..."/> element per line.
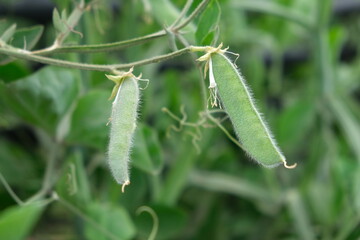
<point x="53" y="132"/>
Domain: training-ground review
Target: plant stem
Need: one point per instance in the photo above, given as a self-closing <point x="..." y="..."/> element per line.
<point x="21" y="54"/>
<point x="183" y="12"/>
<point x="220" y="182"/>
<point x="214" y="120"/>
<point x="155" y="218"/>
<point x="178" y="175"/>
<point x="92" y="48"/>
<point x="197" y="11"/>
<point x="51" y="151"/>
<point x="322" y="46"/>
<point x="10" y="191"/>
<point x="298" y="212"/>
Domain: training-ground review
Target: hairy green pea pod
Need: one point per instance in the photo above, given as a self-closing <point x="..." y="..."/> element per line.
<point x="123" y="124"/>
<point x="235" y="95"/>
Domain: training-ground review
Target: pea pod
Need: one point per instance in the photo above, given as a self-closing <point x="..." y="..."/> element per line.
<point x="248" y="124"/>
<point x="123" y="124"/>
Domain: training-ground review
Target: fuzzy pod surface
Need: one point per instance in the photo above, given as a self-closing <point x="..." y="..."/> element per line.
<point x="123" y="124"/>
<point x="250" y="128"/>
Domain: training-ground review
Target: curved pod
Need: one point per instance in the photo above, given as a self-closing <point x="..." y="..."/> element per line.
<point x="249" y="126"/>
<point x="123" y="124"/>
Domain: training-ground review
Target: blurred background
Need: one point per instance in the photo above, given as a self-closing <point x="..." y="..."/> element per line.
<point x="301" y="60"/>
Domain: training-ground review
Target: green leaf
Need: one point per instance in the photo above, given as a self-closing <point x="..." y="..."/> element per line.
<point x="88" y="123"/>
<point x="348" y="123"/>
<point x="166" y="13"/>
<point x="208" y="23"/>
<point x="294" y="124"/>
<point x="13" y="71"/>
<point x="64" y="16"/>
<point x="220" y="182"/>
<point x="74" y="185"/>
<point x="26" y="38"/>
<point x="112" y="222"/>
<point x="7" y="35"/>
<point x="146" y="153"/>
<point x="44" y="97"/>
<point x="171" y="222"/>
<point x="59" y="23"/>
<point x="16" y="164"/>
<point x="17" y="222"/>
<point x="356" y="190"/>
<point x="4" y="25"/>
<point x="298" y="211"/>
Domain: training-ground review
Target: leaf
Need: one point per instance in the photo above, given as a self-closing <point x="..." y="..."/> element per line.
<point x="17" y="222"/>
<point x="146" y="153"/>
<point x="74" y="185"/>
<point x="171" y="222"/>
<point x="112" y="222"/>
<point x="348" y="123"/>
<point x="44" y="97"/>
<point x="13" y="71"/>
<point x="294" y="124"/>
<point x="166" y="13"/>
<point x="16" y="164"/>
<point x="88" y="123"/>
<point x="209" y="20"/>
<point x="4" y="25"/>
<point x="298" y="211"/>
<point x="59" y="23"/>
<point x="356" y="190"/>
<point x="220" y="182"/>
<point x="26" y="38"/>
<point x="7" y="35"/>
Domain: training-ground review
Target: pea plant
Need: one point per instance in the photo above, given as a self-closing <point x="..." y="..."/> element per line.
<point x="134" y="121"/>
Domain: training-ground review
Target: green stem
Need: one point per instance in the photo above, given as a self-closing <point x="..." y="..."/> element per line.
<point x="51" y="151"/>
<point x="220" y="182"/>
<point x="10" y="191"/>
<point x="197" y="11"/>
<point x="72" y="21"/>
<point x="298" y="212"/>
<point x="177" y="178"/>
<point x="92" y="48"/>
<point x="325" y="70"/>
<point x="183" y="12"/>
<point x="155" y="183"/>
<point x="214" y="120"/>
<point x="21" y="54"/>
<point x="155" y="218"/>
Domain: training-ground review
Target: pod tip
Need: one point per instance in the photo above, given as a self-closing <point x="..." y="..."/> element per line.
<point x="290" y="166"/>
<point x="127" y="182"/>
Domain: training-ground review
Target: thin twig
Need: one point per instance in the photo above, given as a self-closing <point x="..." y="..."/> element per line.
<point x="155" y="218"/>
<point x="214" y="120"/>
<point x="21" y="54"/>
<point x="10" y="191"/>
<point x="183" y="12"/>
<point x="195" y="13"/>
<point x="92" y="48"/>
<point x="50" y="174"/>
